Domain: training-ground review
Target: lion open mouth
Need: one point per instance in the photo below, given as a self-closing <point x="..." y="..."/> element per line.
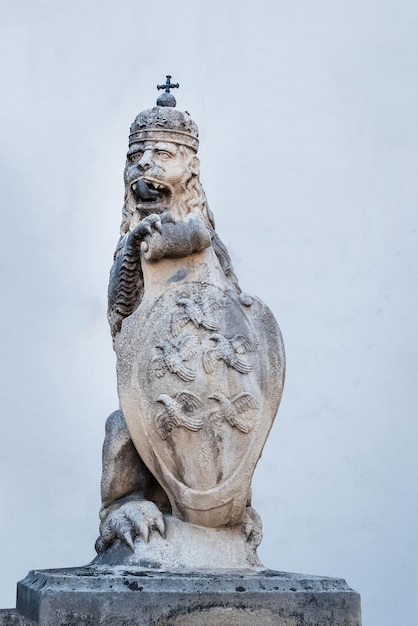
<point x="148" y="192"/>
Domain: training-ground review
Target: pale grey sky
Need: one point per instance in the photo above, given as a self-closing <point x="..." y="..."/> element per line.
<point x="309" y="141"/>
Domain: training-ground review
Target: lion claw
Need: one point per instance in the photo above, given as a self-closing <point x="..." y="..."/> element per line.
<point x="132" y="519"/>
<point x="147" y="225"/>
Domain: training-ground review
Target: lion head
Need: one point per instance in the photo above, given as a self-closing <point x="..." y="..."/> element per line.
<point x="162" y="174"/>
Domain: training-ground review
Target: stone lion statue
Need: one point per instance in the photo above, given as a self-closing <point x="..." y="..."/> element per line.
<point x="197" y="399"/>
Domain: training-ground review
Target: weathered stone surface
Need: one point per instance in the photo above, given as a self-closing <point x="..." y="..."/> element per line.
<point x="91" y="596"/>
<point x="10" y="617"/>
<point x="200" y="368"/>
<point x="185" y="547"/>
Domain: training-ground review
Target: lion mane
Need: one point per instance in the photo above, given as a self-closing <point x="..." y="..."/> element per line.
<point x="126" y="285"/>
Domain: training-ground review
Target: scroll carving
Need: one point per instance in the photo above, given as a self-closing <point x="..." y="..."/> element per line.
<point x="173" y="357"/>
<point x="227" y="350"/>
<point x="237" y="410"/>
<point x="180" y="412"/>
<point x="200" y="312"/>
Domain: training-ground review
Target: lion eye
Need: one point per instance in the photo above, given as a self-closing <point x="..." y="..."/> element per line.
<point x="164" y="155"/>
<point x="134" y="158"/>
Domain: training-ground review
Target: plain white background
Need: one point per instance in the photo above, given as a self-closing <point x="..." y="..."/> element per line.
<point x="308" y="119"/>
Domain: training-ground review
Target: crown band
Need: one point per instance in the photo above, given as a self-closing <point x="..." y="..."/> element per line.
<point x="165" y="134"/>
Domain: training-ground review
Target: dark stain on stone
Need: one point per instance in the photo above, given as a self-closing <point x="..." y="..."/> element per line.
<point x="149" y="563"/>
<point x="179" y="275"/>
<point x="133" y="586"/>
<point x="239" y="588"/>
<point x="271" y="573"/>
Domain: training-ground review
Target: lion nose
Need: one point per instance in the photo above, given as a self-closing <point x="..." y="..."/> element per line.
<point x="146" y="160"/>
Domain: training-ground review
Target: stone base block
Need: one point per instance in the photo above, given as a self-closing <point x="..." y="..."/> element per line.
<point x="10" y="617"/>
<point x="90" y="596"/>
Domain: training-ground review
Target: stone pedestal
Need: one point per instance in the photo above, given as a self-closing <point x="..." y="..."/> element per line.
<point x="91" y="595"/>
<point x="10" y="617"/>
